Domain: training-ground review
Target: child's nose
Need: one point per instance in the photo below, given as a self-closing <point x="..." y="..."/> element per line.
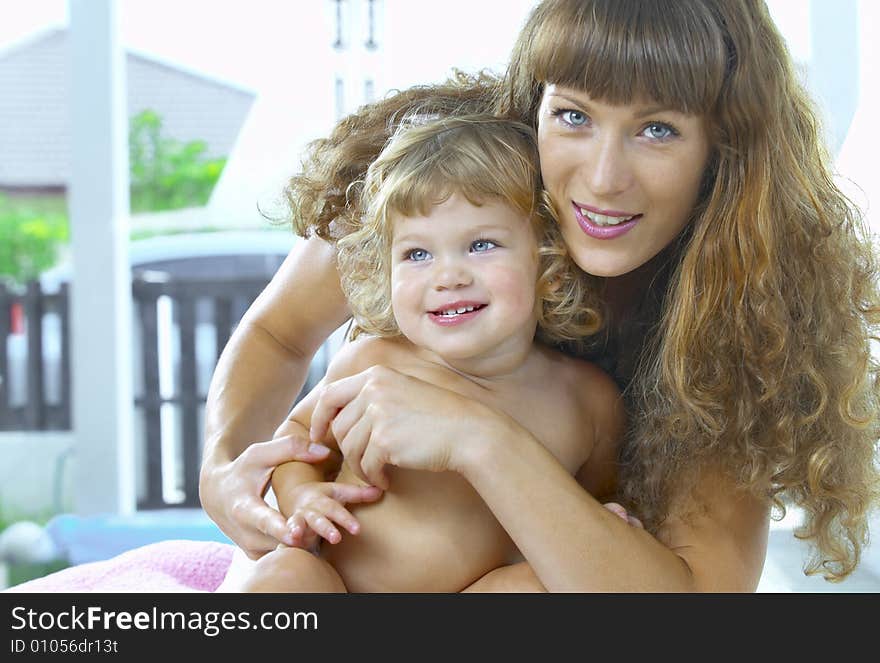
<point x="451" y="273"/>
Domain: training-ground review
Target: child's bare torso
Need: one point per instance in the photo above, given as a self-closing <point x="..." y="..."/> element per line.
<point x="432" y="532"/>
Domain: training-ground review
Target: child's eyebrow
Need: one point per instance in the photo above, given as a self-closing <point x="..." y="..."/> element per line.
<point x="410" y="237"/>
<point x="425" y="235"/>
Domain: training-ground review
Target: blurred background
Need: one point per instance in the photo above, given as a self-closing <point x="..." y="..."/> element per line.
<point x="158" y="178"/>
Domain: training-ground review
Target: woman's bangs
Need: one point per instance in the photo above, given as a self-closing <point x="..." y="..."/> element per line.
<point x="628" y="51"/>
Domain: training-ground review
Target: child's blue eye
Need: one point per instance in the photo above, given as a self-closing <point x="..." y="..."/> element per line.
<point x="482" y="245"/>
<point x="417" y="255"/>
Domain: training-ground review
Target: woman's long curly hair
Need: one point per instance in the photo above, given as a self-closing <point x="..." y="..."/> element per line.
<point x="761" y="362"/>
<point x="482" y="158"/>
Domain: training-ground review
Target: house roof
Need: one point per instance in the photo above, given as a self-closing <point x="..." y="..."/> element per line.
<point x="35" y="149"/>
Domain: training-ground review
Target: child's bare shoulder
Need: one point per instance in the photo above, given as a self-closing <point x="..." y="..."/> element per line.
<point x="364" y="352"/>
<point x="597" y="405"/>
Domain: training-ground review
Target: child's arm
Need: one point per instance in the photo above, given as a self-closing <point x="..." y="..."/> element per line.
<point x="306" y="494"/>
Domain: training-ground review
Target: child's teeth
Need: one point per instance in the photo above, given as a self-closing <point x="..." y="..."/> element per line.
<point x="466" y="309"/>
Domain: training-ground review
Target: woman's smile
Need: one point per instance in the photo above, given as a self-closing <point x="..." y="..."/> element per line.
<point x="604" y="226"/>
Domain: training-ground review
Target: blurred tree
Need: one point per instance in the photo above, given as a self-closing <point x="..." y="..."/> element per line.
<point x="165" y="173"/>
<point x="29" y="240"/>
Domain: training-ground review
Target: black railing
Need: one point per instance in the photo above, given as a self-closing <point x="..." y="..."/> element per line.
<point x="181" y="326"/>
<point x="34" y="392"/>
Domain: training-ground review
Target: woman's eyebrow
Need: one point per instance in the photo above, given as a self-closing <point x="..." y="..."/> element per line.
<point x="571" y="99"/>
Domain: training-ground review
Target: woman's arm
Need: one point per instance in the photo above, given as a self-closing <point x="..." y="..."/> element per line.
<point x="256" y="380"/>
<point x="569" y="539"/>
<point x="573" y="544"/>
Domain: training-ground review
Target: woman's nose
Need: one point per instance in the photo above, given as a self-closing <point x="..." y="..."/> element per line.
<point x="451" y="272"/>
<point x="608" y="169"/>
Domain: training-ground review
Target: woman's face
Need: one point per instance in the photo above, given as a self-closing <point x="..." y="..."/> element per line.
<point x="624" y="179"/>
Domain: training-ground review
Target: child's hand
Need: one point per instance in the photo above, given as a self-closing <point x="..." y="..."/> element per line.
<point x="318" y="505"/>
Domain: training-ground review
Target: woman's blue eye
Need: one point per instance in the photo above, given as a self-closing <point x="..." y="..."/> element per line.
<point x="570" y="117"/>
<point x="573" y="117"/>
<point x="659" y="131"/>
<point x="417" y="255"/>
<point x="482" y="245"/>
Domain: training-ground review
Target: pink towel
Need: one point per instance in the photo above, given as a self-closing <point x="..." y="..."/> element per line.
<point x="167" y="566"/>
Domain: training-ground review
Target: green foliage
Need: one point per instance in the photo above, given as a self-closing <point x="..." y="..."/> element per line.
<point x="165" y="173"/>
<point x="30" y="239"/>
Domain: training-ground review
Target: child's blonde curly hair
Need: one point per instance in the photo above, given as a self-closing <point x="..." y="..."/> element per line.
<point x="480" y="157"/>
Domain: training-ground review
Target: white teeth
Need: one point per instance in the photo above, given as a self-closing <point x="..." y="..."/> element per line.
<point x="452" y="311"/>
<point x="604" y="220"/>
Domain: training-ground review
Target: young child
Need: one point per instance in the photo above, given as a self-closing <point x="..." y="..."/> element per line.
<point x="450" y="276"/>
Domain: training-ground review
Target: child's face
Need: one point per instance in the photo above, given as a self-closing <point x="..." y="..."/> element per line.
<point x="481" y="261"/>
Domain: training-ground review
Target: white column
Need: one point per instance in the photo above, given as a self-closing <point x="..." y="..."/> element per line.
<point x="101" y="291"/>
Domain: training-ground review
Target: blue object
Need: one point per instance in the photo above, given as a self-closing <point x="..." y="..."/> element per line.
<point x="82" y="539"/>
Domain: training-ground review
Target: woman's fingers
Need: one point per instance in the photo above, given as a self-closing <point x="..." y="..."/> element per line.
<point x="353" y="445"/>
<point x="616" y="509"/>
<point x="334" y="397"/>
<point x="373" y="465"/>
<point x="283" y="449"/>
<point x="346" y="493"/>
<point x="270" y="522"/>
<point x="620" y="511"/>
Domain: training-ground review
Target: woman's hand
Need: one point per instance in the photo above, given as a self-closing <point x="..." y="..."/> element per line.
<point x="381" y="417"/>
<point x="232" y="493"/>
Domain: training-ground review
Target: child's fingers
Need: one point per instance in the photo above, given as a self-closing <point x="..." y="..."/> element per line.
<point x="338" y="514"/>
<point x="322" y="526"/>
<point x="298" y="528"/>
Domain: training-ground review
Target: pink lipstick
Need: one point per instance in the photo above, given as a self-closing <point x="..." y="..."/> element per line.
<point x="603" y="232"/>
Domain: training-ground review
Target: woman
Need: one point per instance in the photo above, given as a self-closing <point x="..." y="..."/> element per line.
<point x="685" y="166"/>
